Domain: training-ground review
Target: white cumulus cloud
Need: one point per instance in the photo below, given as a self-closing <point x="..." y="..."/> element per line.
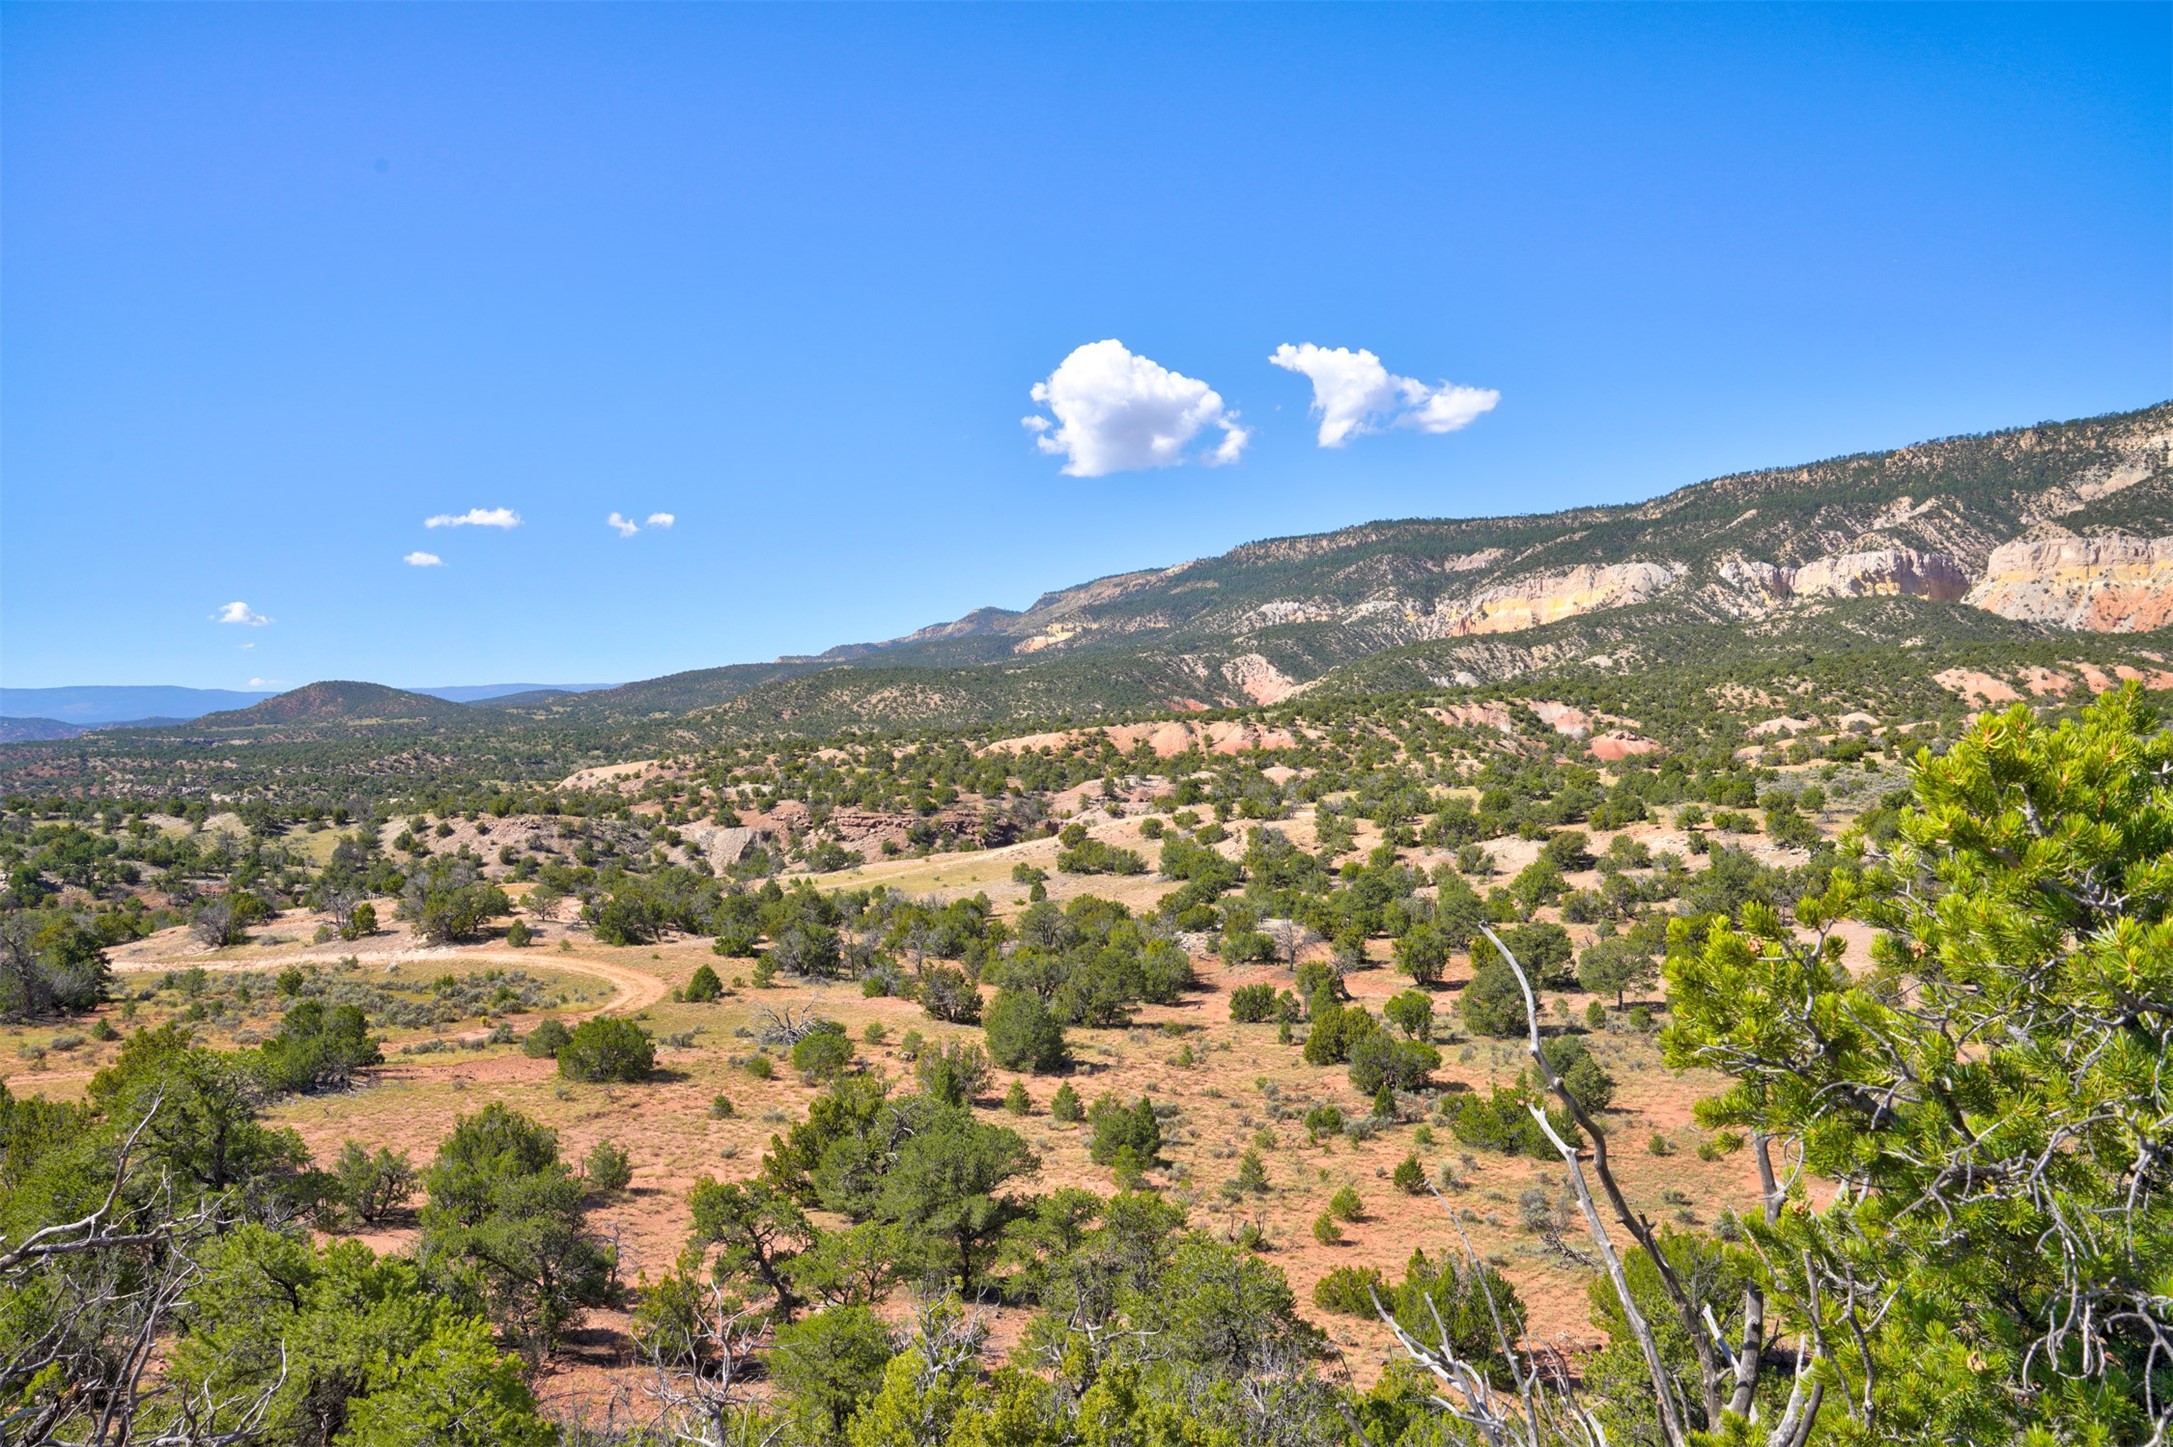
<point x="476" y="517"/>
<point x="1353" y="394"/>
<point x="662" y="519"/>
<point x="623" y="526"/>
<point x="423" y="560"/>
<point x="242" y="613"/>
<point x="1117" y="411"/>
<point x="268" y="683"/>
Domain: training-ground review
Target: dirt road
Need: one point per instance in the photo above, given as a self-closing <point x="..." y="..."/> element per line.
<point x="636" y="990"/>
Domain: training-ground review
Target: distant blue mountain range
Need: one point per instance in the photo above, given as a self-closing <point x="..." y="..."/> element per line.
<point x="89" y="705"/>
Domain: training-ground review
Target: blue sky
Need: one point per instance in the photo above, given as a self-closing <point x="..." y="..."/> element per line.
<point x="282" y="282"/>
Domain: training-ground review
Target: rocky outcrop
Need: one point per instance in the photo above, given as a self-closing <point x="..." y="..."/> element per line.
<point x="1974" y="686"/>
<point x="1765" y="580"/>
<point x="1475" y="715"/>
<point x="1564" y="719"/>
<point x="1258" y="679"/>
<point x="1886" y="571"/>
<point x="1548" y="597"/>
<point x="1618" y="744"/>
<point x="1870" y="573"/>
<point x="2107" y="583"/>
<point x="722" y="847"/>
<point x="1164" y="740"/>
<point x="1785" y="724"/>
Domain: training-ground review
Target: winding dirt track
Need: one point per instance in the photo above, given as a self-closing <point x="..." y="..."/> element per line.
<point x="636" y="989"/>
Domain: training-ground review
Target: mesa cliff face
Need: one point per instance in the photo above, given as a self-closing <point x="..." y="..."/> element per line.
<point x="1919" y="522"/>
<point x="2108" y="583"/>
<point x="1882" y="571"/>
<point x="2058" y="526"/>
<point x="1872" y="573"/>
<point x="1549" y="597"/>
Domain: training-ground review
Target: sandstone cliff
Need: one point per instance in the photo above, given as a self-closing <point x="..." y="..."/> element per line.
<point x="1534" y="601"/>
<point x="2107" y="583"/>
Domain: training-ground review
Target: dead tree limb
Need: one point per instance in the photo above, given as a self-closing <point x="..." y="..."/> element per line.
<point x="1663" y="1385"/>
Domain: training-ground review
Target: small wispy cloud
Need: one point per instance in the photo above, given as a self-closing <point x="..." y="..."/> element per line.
<point x="1117" y="411"/>
<point x="476" y="517"/>
<point x="625" y="527"/>
<point x="1353" y="394"/>
<point x="423" y="560"/>
<point x="662" y="519"/>
<point x="269" y="683"/>
<point x="242" y="613"/>
<point x="245" y="647"/>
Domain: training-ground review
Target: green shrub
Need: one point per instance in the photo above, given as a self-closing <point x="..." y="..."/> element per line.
<point x="761" y="1067"/>
<point x="1336" y="1030"/>
<point x="946" y="994"/>
<point x="546" y="1040"/>
<point x="703" y="986"/>
<point x="954" y="1074"/>
<point x="1492" y="1004"/>
<point x="607" y="1048"/>
<point x="1349" y="1290"/>
<point x="1344" y="1205"/>
<point x="1023" y="1034"/>
<point x="1379" y="1061"/>
<point x="607" y="1168"/>
<point x="1091" y="856"/>
<point x="1412" y="1012"/>
<point x="1016" y="1101"/>
<point x="317" y="1047"/>
<point x="1316" y="979"/>
<point x="368" y="1188"/>
<point x="1586" y="1079"/>
<point x="1423" y="954"/>
<point x="1409" y="1176"/>
<point x="1544" y="950"/>
<point x="823" y="1053"/>
<point x="1251" y="1004"/>
<point x="1501" y="1122"/>
<point x="1475" y="1306"/>
<point x="737" y="940"/>
<point x="362" y="923"/>
<point x="1118" y="1127"/>
<point x="1064" y="1105"/>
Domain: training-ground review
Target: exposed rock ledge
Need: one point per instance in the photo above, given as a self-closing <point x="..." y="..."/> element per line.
<point x="1258" y="679"/>
<point x="2106" y="583"/>
<point x="1881" y="571"/>
<point x="1531" y="602"/>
